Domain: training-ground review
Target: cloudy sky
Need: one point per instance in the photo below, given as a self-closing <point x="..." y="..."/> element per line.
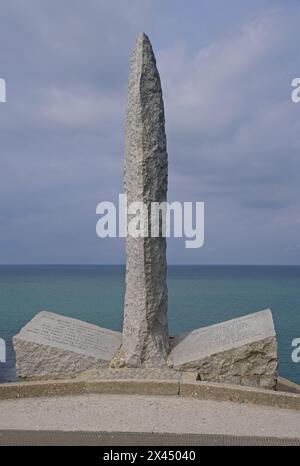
<point x="233" y="131"/>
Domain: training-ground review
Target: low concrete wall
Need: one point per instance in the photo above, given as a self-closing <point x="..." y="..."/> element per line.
<point x="235" y="393"/>
<point x="78" y="387"/>
<point x="188" y="386"/>
<point x="285" y="385"/>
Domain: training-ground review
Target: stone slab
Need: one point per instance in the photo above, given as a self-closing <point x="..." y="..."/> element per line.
<point x="206" y="341"/>
<point x="239" y="351"/>
<point x="51" y="344"/>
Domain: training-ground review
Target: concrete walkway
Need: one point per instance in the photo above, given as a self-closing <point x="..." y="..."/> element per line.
<point x="147" y="414"/>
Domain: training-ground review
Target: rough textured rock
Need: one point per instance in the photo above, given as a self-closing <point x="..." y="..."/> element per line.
<point x="51" y="345"/>
<point x="145" y="332"/>
<point x="254" y="365"/>
<point x="241" y="351"/>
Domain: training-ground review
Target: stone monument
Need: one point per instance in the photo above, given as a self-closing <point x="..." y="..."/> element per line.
<point x="145" y="331"/>
<point x="240" y="351"/>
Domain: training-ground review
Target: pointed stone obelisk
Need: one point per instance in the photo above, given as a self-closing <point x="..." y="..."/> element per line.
<point x="145" y="331"/>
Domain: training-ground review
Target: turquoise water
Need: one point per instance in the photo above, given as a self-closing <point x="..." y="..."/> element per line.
<point x="198" y="296"/>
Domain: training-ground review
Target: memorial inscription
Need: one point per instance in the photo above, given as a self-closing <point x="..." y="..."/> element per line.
<point x="241" y="350"/>
<point x="221" y="337"/>
<point x="51" y="344"/>
<point x="70" y="334"/>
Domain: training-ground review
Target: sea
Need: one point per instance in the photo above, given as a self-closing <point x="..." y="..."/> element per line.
<point x="198" y="296"/>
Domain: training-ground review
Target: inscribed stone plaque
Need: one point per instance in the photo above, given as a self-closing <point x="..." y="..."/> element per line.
<point x="52" y="344"/>
<point x="239" y="351"/>
<point x="192" y="346"/>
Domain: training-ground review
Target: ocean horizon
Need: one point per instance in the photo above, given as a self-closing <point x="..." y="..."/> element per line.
<point x="198" y="296"/>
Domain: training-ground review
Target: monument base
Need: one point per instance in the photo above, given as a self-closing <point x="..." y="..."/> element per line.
<point x="240" y="351"/>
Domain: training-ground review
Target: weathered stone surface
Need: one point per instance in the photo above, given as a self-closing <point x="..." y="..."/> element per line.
<point x="145" y="332"/>
<point x="54" y="345"/>
<point x="129" y="373"/>
<point x="240" y="351"/>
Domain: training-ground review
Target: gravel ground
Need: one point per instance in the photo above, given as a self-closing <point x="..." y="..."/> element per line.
<point x="137" y="413"/>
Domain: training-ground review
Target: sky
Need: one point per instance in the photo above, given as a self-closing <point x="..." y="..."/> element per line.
<point x="233" y="131"/>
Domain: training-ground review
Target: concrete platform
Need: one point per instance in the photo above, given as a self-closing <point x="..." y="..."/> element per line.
<point x="147" y="408"/>
<point x="112" y="413"/>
